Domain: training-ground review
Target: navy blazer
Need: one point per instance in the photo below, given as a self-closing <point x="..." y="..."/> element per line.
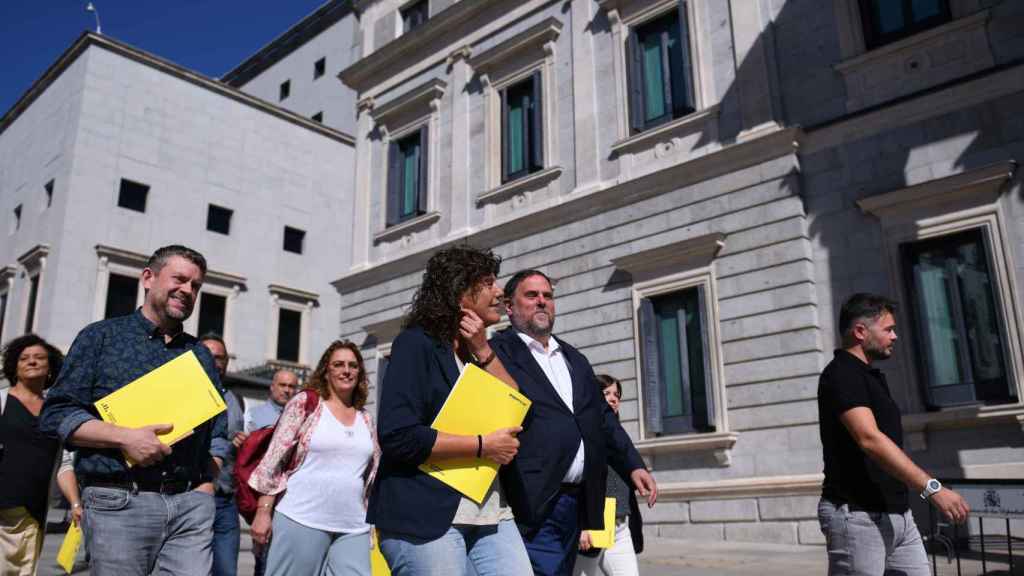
<point x="551" y="436"/>
<point x="420" y="376"/>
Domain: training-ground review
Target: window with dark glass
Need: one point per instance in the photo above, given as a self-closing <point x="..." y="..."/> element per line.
<point x="132" y="195"/>
<point x="415" y="15"/>
<point x="122" y="294"/>
<point x="319" y="68"/>
<point x="289" y="326"/>
<point x="212" y="308"/>
<point x="293" y="239"/>
<point x="285" y="90"/>
<point x="886" y="21"/>
<point x="678" y="394"/>
<point x="318" y="117"/>
<point x="407" y="177"/>
<point x="33" y="296"/>
<point x="959" y="329"/>
<point x="660" y="70"/>
<point x="16" y="222"/>
<point x="48" y="190"/>
<point x="522" y="127"/>
<point x="218" y="219"/>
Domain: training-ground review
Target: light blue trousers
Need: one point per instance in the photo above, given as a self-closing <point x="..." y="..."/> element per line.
<point x="863" y="543"/>
<point x="297" y="550"/>
<point x="495" y="550"/>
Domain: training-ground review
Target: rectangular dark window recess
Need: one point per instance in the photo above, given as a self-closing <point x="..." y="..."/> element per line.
<point x="958" y="324"/>
<point x="3" y="314"/>
<point x="886" y="21"/>
<point x="16" y="223"/>
<point x="677" y="377"/>
<point x="522" y="127"/>
<point x="289" y="328"/>
<point x="122" y="294"/>
<point x="218" y="219"/>
<point x="415" y="15"/>
<point x="285" y="90"/>
<point x="33" y="296"/>
<point x="293" y="239"/>
<point x="48" y="189"/>
<point x="212" y="311"/>
<point x="319" y="68"/>
<point x="132" y="195"/>
<point x="407" y="177"/>
<point x="318" y="117"/>
<point x="660" y="70"/>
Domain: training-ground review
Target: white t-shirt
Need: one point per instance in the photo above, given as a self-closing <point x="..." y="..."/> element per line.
<point x="326" y="492"/>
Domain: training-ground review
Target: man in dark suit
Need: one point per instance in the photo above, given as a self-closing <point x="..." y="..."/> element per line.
<point x="556" y="484"/>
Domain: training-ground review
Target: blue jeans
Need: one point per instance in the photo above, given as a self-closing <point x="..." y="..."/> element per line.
<point x="552" y="547"/>
<point x="490" y="550"/>
<point x="861" y="543"/>
<point x="226" y="536"/>
<point x="129" y="533"/>
<point x="301" y="550"/>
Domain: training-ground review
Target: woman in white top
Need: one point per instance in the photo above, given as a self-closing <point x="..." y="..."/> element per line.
<point x="316" y="472"/>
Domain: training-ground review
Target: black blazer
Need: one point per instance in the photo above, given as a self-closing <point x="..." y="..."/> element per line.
<point x="551" y="435"/>
<point x="420" y="375"/>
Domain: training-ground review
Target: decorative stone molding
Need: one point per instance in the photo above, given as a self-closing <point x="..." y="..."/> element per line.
<point x="384" y="330"/>
<point x="520" y="187"/>
<point x="539" y="35"/>
<point x="687" y="254"/>
<point x="666" y="137"/>
<point x="917" y="426"/>
<point x="35" y="257"/>
<point x="417" y="101"/>
<point x="917" y="62"/>
<point x="138" y="261"/>
<point x="7" y="274"/>
<point x="975" y="187"/>
<point x="310" y="298"/>
<point x="795" y="485"/>
<point x="403" y="229"/>
<point x="718" y="443"/>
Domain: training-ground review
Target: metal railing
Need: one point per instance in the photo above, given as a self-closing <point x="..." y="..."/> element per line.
<point x="1000" y="502"/>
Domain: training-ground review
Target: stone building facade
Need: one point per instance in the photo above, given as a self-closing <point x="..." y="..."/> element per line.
<point x="707" y="180"/>
<point x="114" y="152"/>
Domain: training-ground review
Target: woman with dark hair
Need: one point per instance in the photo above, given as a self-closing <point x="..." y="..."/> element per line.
<point x="427" y="527"/>
<point x="28" y="459"/>
<point x="317" y="472"/>
<point x="620" y="559"/>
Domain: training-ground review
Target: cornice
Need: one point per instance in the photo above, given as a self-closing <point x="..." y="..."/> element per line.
<point x="537" y="35"/>
<point x="385" y="330"/>
<point x="690" y="253"/>
<point x="34" y="255"/>
<point x="296" y="293"/>
<point x="984" y="184"/>
<point x="138" y="260"/>
<point x="423" y="94"/>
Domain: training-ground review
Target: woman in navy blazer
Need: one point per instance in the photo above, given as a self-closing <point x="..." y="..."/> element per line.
<point x="425" y="526"/>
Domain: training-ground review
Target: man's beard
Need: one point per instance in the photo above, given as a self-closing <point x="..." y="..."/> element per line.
<point x="534" y="329"/>
<point x="875" y="352"/>
<point x="176" y="314"/>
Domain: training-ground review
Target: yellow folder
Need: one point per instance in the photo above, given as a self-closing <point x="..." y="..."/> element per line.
<point x="69" y="548"/>
<point x="605" y="538"/>
<point x="178" y="393"/>
<point x="478" y="404"/>
<point x="378" y="565"/>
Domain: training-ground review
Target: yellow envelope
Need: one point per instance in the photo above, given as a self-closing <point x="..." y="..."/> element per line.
<point x="178" y="393"/>
<point x="605" y="538"/>
<point x="69" y="548"/>
<point x="378" y="565"/>
<point x="479" y="403"/>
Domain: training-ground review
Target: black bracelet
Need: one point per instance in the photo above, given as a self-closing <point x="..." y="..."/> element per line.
<point x="484" y="363"/>
<point x="479" y="445"/>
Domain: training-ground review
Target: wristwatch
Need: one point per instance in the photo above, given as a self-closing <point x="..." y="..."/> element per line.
<point x="931" y="487"/>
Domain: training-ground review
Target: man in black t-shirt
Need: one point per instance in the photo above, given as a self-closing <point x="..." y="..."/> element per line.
<point x="864" y="509"/>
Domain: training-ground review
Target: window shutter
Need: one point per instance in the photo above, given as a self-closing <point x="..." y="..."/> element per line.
<point x="423" y="182"/>
<point x="666" y="71"/>
<point x="537" y="123"/>
<point x="634" y="72"/>
<point x="651" y="369"/>
<point x="505" y="136"/>
<point x="685" y="100"/>
<point x="708" y="420"/>
<point x="394" y="191"/>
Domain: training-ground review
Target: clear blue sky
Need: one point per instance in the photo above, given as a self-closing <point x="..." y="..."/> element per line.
<point x="209" y="36"/>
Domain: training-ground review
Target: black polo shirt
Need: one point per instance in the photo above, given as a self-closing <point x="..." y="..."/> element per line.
<point x="850" y="475"/>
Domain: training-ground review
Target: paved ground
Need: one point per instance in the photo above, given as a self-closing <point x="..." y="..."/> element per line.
<point x="680" y="558"/>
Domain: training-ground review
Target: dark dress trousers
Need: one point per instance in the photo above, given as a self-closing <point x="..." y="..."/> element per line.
<point x="551" y="436"/>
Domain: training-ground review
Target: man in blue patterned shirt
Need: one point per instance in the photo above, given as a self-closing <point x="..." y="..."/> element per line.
<point x="160" y="510"/>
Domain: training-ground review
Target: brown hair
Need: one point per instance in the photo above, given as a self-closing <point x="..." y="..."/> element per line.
<point x="604" y="381"/>
<point x="318" y="381"/>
